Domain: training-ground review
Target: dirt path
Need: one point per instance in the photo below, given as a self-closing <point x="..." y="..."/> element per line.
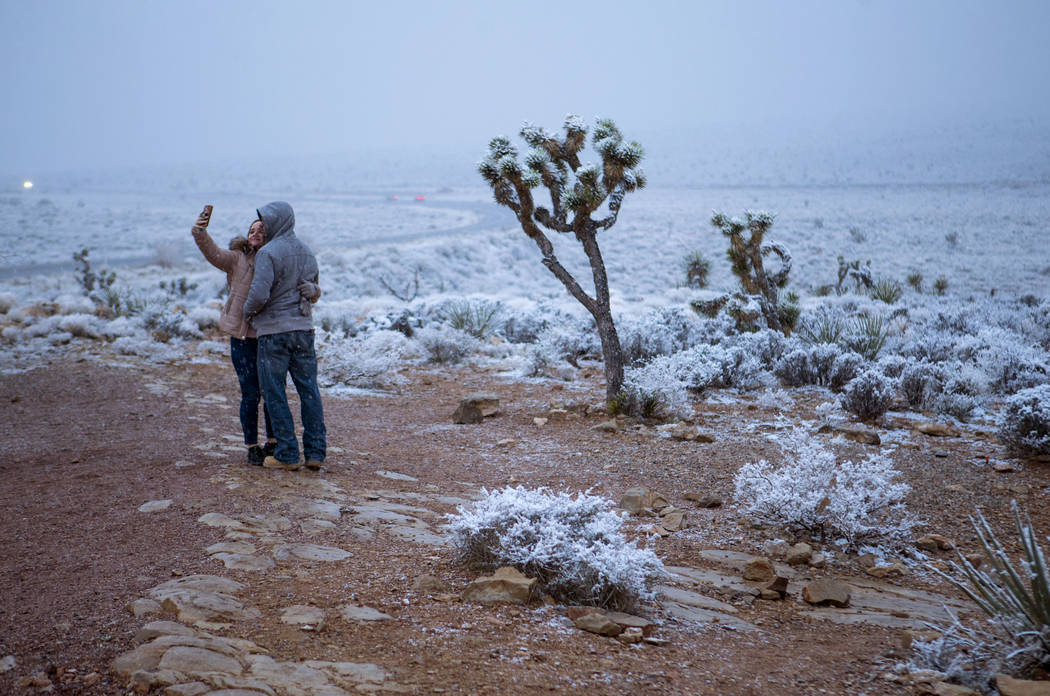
<point x="85" y="445"/>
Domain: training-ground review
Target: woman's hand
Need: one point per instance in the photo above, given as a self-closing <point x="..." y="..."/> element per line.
<point x="204" y="218"/>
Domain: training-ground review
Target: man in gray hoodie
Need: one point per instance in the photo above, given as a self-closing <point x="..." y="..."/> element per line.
<point x="282" y="319"/>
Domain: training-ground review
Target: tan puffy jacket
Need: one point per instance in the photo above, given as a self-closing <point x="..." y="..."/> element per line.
<point x="239" y="267"/>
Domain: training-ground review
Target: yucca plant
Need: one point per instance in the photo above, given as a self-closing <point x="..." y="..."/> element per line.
<point x="889" y="291"/>
<point x="1017" y="599"/>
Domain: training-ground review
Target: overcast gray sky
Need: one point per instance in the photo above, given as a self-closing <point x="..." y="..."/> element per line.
<point x="103" y="82"/>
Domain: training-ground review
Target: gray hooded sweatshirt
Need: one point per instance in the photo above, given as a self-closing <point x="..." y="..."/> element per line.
<point x="273" y="304"/>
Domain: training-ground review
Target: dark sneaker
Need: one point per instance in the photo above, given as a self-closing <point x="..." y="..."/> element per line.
<point x="275" y="463"/>
<point x="256" y="455"/>
<point x="269" y="448"/>
<point x="313" y="465"/>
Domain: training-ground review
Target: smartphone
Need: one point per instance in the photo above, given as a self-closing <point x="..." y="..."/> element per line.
<point x="207" y="214"/>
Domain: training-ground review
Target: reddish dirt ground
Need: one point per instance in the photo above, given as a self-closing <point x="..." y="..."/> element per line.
<point x="86" y="443"/>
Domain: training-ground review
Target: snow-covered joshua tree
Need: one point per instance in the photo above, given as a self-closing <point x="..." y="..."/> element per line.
<point x="576" y="191"/>
<point x="746" y="256"/>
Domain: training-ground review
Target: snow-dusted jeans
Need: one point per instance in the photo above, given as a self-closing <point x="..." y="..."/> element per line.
<point x="243" y="355"/>
<point x="280" y="355"/>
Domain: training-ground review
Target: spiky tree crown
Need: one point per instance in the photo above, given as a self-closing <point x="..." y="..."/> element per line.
<point x="743" y="252"/>
<point x="554" y="162"/>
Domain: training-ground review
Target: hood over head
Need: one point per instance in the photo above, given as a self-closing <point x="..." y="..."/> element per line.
<point x="278" y="218"/>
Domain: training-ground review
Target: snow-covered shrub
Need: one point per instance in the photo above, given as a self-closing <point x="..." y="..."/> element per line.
<point x="814" y="492"/>
<point x="1011" y="366"/>
<point x="204" y="317"/>
<point x="74" y="304"/>
<point x="80" y="325"/>
<point x="919" y="381"/>
<point x="444" y="344"/>
<point x="573" y="544"/>
<point x="844" y="369"/>
<point x="566" y="343"/>
<point x="892" y="365"/>
<point x="967" y="656"/>
<point x="11" y="334"/>
<point x="1025" y="422"/>
<point x="368" y="361"/>
<point x="121" y="326"/>
<point x="657" y="389"/>
<point x="793" y="368"/>
<point x="7" y="301"/>
<point x="661" y="332"/>
<point x="868" y="396"/>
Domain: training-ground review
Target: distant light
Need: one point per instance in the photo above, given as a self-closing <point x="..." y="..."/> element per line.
<point x="421" y="198"/>
<point x="27" y="184"/>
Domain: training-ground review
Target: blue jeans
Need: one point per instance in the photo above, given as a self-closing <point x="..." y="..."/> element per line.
<point x="280" y="355"/>
<point x="243" y="355"/>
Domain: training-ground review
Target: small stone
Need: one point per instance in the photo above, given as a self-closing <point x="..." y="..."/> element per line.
<point x="759" y="570"/>
<point x="776" y="548"/>
<point x="1009" y="686"/>
<point x="609" y="426"/>
<point x="155" y="506"/>
<point x="429" y="583"/>
<point x="506" y="585"/>
<point x="865" y="436"/>
<point x="818" y="560"/>
<point x="539" y="421"/>
<point x="866" y="560"/>
<point x="596" y="622"/>
<point x="673" y="522"/>
<point x="37" y="680"/>
<point x="769" y="595"/>
<point x="1003" y="467"/>
<point x="778" y="586"/>
<point x="507" y="442"/>
<point x="799" y="554"/>
<point x="934" y="542"/>
<point x="8" y="663"/>
<point x="636" y="500"/>
<point x="894" y="569"/>
<point x="631" y="636"/>
<point x="834" y="593"/>
<point x="703" y="500"/>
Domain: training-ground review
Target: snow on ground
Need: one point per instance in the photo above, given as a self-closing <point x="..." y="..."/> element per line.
<point x="381" y="257"/>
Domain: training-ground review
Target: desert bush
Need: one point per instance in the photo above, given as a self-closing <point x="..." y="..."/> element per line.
<point x="888" y="291"/>
<point x="892" y="365"/>
<point x="477" y="318"/>
<point x="7" y="302"/>
<point x="746" y="256"/>
<point x="857" y="236"/>
<point x="822" y="327"/>
<point x="656" y="389"/>
<point x="812" y="491"/>
<point x="940" y="286"/>
<point x="915" y="281"/>
<point x="565" y="343"/>
<point x="1025" y="422"/>
<point x="573" y="544"/>
<point x="88" y="278"/>
<point x="867" y="335"/>
<point x="1015" y="597"/>
<point x="868" y="396"/>
<point x="660" y="332"/>
<point x="789" y="311"/>
<point x="369" y="361"/>
<point x="444" y="344"/>
<point x="1011" y="366"/>
<point x="859" y="273"/>
<point x="793" y="368"/>
<point x="697" y="268"/>
<point x="844" y="369"/>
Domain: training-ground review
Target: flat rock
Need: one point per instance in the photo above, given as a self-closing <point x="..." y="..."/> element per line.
<point x="304" y="616"/>
<point x="857" y="433"/>
<point x="311" y="526"/>
<point x="673" y="521"/>
<point x="202" y="583"/>
<point x="609" y="426"/>
<point x="486" y="404"/>
<point x="309" y="552"/>
<point x="395" y="476"/>
<point x="217" y="519"/>
<point x="230" y="547"/>
<point x="833" y="593"/>
<point x="266" y="524"/>
<point x="8" y="663"/>
<point x="943" y="688"/>
<point x="245" y="561"/>
<point x="155" y="506"/>
<point x="197" y="661"/>
<point x="353" y="612"/>
<point x="703" y="500"/>
<point x="935" y="429"/>
<point x="429" y="583"/>
<point x="506" y="585"/>
<point x="1009" y="686"/>
<point x="317" y="509"/>
<point x="156" y="629"/>
<point x="597" y="622"/>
